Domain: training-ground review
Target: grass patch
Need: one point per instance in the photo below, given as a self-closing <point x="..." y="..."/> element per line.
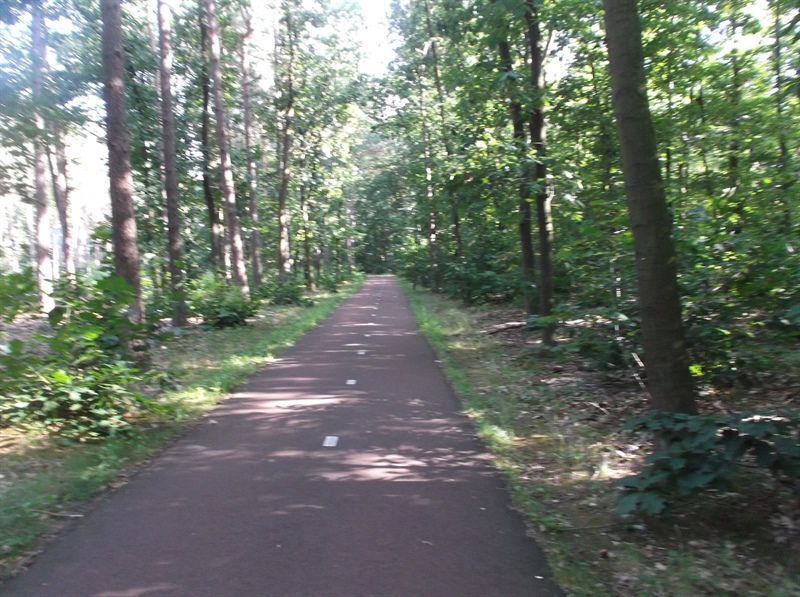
<point x="554" y="427"/>
<point x="46" y="481"/>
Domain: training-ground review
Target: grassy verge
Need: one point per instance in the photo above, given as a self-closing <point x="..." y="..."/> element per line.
<point x="45" y="482"/>
<point x="554" y="427"/>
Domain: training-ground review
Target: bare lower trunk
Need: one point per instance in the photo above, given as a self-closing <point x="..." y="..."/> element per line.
<point x="527" y="265"/>
<point x="205" y="148"/>
<point x="174" y="249"/>
<point x="44" y="264"/>
<point x="667" y="364"/>
<point x="225" y="166"/>
<point x="126" y="254"/>
<point x="285" y="172"/>
<point x="252" y="178"/>
<point x="538" y="133"/>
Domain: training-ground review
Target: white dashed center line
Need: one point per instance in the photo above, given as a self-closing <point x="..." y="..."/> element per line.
<point x="330" y="441"/>
<point x="351" y="382"/>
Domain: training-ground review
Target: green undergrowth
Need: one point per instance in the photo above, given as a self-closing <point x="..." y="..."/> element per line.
<point x="46" y="481"/>
<point x="560" y="441"/>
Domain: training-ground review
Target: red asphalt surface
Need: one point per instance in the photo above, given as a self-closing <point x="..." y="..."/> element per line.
<point x="251" y="503"/>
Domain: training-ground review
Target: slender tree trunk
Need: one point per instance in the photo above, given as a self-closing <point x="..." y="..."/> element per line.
<point x="525" y="216"/>
<point x="44" y="261"/>
<point x="174" y="248"/>
<point x="252" y="178"/>
<point x="309" y="278"/>
<point x="58" y="174"/>
<point x="445" y="129"/>
<point x="225" y="166"/>
<point x="126" y="254"/>
<point x="667" y="363"/>
<point x="538" y="132"/>
<point x="205" y="149"/>
<point x="785" y="180"/>
<point x="433" y="260"/>
<point x="284" y="166"/>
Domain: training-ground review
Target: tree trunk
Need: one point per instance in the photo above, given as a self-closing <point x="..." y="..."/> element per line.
<point x="538" y="132"/>
<point x="433" y="261"/>
<point x="309" y="279"/>
<point x="667" y="363"/>
<point x="174" y="249"/>
<point x="445" y="130"/>
<point x="252" y="179"/>
<point x="123" y="223"/>
<point x="205" y="149"/>
<point x="225" y="167"/>
<point x="525" y="217"/>
<point x="58" y="174"/>
<point x="284" y="168"/>
<point x="44" y="261"/>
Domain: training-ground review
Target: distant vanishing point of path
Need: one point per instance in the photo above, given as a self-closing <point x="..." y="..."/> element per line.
<point x="343" y="470"/>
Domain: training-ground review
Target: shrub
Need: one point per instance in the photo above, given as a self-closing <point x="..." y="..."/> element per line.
<point x="220" y="304"/>
<point x="17" y="293"/>
<point x="697" y="452"/>
<point x="287" y="292"/>
<point x="80" y="386"/>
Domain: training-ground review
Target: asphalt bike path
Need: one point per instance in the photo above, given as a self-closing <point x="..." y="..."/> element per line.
<point x="342" y="470"/>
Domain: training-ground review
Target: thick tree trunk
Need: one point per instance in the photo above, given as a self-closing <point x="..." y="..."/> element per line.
<point x="252" y="179"/>
<point x="667" y="364"/>
<point x="123" y="223"/>
<point x="225" y="167"/>
<point x="174" y="249"/>
<point x="44" y="261"/>
<point x="538" y="132"/>
<point x="205" y="149"/>
<point x="527" y="265"/>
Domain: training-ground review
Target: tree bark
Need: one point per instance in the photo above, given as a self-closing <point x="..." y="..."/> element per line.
<point x="44" y="261"/>
<point x="174" y="248"/>
<point x="58" y="174"/>
<point x="538" y="131"/>
<point x="205" y="149"/>
<point x="126" y="254"/>
<point x="284" y="168"/>
<point x="667" y="363"/>
<point x="445" y="130"/>
<point x="252" y="178"/>
<point x="225" y="167"/>
<point x="433" y="261"/>
<point x="527" y="266"/>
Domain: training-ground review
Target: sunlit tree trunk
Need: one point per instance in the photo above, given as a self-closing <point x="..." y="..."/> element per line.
<point x="58" y="174"/>
<point x="284" y="165"/>
<point x="44" y="262"/>
<point x="433" y="261"/>
<point x="667" y="363"/>
<point x="126" y="255"/>
<point x="226" y="169"/>
<point x="174" y="249"/>
<point x="252" y="179"/>
<point x="205" y="149"/>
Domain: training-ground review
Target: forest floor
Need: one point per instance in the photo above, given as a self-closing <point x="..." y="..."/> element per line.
<point x="555" y="426"/>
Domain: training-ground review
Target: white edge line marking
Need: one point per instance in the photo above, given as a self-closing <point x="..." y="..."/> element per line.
<point x="330" y="441"/>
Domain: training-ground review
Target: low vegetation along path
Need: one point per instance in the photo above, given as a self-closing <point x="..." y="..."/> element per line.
<point x="342" y="470"/>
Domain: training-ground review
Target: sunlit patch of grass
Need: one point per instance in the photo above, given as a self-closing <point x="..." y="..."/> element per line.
<point x="46" y="481"/>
